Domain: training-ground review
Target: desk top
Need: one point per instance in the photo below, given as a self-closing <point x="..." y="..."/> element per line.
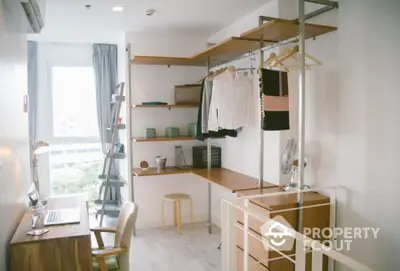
<point x="56" y="232"/>
<point x="229" y="179"/>
<point x="281" y="202"/>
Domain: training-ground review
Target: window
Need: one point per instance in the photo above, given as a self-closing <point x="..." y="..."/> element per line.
<point x="75" y="156"/>
<point x="74" y="102"/>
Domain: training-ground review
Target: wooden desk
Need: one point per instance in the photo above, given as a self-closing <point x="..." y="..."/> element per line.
<point x="229" y="179"/>
<point x="65" y="247"/>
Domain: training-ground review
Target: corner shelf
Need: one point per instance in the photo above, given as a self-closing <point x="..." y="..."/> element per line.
<point x="169" y="61"/>
<point x="161" y="139"/>
<point x="166" y="106"/>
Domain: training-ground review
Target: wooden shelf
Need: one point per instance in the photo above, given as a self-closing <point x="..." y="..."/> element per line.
<point x="166" y="106"/>
<point x="160" y="139"/>
<point x="272" y="32"/>
<point x="153" y="171"/>
<point x="279" y="30"/>
<point x="228" y="49"/>
<point x="231" y="180"/>
<point x="168" y="61"/>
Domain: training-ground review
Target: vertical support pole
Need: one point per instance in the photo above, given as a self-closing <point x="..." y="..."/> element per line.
<point x="228" y="236"/>
<point x="300" y="262"/>
<point x="333" y="215"/>
<point x="261" y="146"/>
<point x="131" y="179"/>
<point x="302" y="86"/>
<point x="209" y="169"/>
<point x="246" y="237"/>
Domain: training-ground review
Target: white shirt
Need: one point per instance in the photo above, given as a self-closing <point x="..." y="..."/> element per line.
<point x="229" y="101"/>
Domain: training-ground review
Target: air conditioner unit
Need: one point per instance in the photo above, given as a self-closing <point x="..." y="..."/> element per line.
<point x="33" y="11"/>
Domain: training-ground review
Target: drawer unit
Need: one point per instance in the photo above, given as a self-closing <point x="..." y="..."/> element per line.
<point x="253" y="264"/>
<point x="317" y="217"/>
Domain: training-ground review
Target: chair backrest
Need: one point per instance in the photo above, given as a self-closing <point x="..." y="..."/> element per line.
<point x="125" y="225"/>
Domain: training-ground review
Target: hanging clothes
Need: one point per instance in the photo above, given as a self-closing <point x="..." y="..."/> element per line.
<point x="202" y="131"/>
<point x="229" y="101"/>
<point x="275" y="100"/>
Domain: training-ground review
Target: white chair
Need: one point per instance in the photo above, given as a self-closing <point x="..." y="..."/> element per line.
<point x="116" y="257"/>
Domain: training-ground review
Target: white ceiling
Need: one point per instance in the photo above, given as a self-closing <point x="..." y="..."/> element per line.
<point x="189" y="16"/>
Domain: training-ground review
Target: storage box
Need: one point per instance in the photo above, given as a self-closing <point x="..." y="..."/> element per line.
<point x="192" y="129"/>
<point x="187" y="94"/>
<point x="200" y="157"/>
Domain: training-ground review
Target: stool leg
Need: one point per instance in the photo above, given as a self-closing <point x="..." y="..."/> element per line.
<point x="191" y="212"/>
<point x="162" y="214"/>
<point x="179" y="218"/>
<point x="175" y="213"/>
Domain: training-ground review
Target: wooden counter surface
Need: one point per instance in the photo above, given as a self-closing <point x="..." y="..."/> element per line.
<point x="229" y="179"/>
<point x="138" y="172"/>
<point x="282" y="201"/>
<point x="70" y="230"/>
<point x="64" y="247"/>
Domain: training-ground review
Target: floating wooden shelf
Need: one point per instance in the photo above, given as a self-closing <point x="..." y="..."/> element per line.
<point x="166" y="106"/>
<point x="154" y="172"/>
<point x="160" y="139"/>
<point x="169" y="61"/>
<point x="273" y="31"/>
<point x="228" y="49"/>
<point x="279" y="30"/>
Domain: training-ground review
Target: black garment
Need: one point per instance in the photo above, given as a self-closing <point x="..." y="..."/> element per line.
<point x="211" y="134"/>
<point x="274" y="83"/>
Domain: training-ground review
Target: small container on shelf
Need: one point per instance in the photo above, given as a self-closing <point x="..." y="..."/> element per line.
<point x="149" y="133"/>
<point x="192" y="129"/>
<point x="172" y="132"/>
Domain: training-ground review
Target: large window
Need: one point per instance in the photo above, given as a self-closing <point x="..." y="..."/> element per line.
<point x="75" y="157"/>
<point x="74" y="106"/>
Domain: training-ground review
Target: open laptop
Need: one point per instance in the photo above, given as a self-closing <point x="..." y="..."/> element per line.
<point x="62" y="216"/>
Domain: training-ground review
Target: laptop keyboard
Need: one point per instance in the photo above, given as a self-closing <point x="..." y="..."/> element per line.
<point x="54" y="216"/>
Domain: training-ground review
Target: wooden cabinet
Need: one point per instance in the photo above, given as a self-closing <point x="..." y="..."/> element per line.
<point x="282" y="205"/>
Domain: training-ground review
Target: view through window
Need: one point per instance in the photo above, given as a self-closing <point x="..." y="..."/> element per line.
<point x="76" y="158"/>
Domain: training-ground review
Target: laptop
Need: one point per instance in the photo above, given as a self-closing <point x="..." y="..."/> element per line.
<point x="62" y="217"/>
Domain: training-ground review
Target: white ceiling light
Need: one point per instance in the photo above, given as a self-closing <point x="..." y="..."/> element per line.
<point x="118" y="9"/>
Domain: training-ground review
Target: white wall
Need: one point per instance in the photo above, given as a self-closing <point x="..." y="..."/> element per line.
<point x="157" y="83"/>
<point x="353" y="122"/>
<point x="14" y="146"/>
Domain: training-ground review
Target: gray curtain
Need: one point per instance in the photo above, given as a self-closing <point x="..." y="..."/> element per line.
<point x="105" y="63"/>
<point x="32" y="89"/>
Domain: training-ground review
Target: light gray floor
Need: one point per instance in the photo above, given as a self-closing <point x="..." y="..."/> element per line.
<point x="154" y="250"/>
<point x="194" y="250"/>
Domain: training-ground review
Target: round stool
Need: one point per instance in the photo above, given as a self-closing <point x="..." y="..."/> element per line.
<point x="176" y="199"/>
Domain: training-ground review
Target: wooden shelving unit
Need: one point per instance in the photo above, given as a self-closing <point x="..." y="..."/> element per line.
<point x="166" y="106"/>
<point x="278" y="30"/>
<point x="274" y="31"/>
<point x="153" y="171"/>
<point x="168" y="61"/>
<point x="228" y="49"/>
<point x="162" y="139"/>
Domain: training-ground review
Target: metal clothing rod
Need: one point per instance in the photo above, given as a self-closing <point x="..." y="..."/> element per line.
<point x="261" y="143"/>
<point x="208" y="169"/>
<point x="302" y="85"/>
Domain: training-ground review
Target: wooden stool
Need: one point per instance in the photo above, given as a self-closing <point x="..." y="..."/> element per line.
<point x="176" y="199"/>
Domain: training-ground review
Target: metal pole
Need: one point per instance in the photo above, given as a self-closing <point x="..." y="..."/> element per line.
<point x="131" y="179"/>
<point x="261" y="144"/>
<point x="209" y="169"/>
<point x="302" y="86"/>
